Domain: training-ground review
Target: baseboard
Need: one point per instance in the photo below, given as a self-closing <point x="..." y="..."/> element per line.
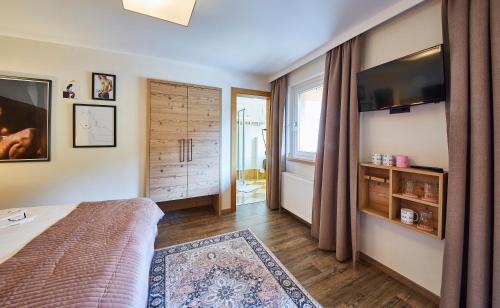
<point x="295" y="216"/>
<point x="227" y="211"/>
<point x="182" y="204"/>
<point x="402" y="279"/>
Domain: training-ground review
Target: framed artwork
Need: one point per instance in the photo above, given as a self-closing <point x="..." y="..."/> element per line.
<point x="94" y="126"/>
<point x="103" y="87"/>
<point x="25" y="105"/>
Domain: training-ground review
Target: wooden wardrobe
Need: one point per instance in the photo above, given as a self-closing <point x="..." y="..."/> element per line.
<point x="184" y="142"/>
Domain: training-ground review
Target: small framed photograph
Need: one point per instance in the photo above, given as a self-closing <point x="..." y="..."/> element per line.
<point x="103" y="87"/>
<point x="24" y="119"/>
<point x="71" y="90"/>
<point x="94" y="126"/>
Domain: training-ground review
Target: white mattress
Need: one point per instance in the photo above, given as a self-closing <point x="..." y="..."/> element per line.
<point x="16" y="237"/>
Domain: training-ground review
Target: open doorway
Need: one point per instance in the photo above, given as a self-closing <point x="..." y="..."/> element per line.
<point x="249" y="131"/>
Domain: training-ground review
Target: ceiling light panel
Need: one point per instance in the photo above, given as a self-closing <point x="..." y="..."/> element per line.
<point x="176" y="11"/>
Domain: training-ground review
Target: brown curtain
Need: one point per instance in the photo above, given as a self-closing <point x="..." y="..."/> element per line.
<point x="335" y="181"/>
<point x="276" y="164"/>
<point x="471" y="274"/>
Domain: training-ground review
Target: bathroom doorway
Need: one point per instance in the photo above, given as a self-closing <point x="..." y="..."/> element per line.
<point x="249" y="146"/>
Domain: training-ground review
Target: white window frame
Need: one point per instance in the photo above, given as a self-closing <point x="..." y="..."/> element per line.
<point x="295" y="91"/>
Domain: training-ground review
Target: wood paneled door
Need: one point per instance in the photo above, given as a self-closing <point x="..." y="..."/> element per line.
<point x="167" y="141"/>
<point x="203" y="141"/>
<point x="184" y="141"/>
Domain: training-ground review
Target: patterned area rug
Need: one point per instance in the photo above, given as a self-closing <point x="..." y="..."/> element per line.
<point x="229" y="270"/>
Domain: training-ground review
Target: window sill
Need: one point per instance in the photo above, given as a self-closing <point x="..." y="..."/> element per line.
<point x="302" y="160"/>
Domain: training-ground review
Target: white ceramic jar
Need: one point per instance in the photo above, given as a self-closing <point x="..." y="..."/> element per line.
<point x="388" y="160"/>
<point x="377" y="159"/>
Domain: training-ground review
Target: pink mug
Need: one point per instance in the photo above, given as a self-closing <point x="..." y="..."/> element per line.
<point x="402" y="161"/>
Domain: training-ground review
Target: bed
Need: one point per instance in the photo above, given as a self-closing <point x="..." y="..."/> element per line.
<point x="93" y="254"/>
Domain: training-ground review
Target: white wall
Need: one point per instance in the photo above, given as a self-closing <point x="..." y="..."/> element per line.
<point x="74" y="175"/>
<point x="420" y="134"/>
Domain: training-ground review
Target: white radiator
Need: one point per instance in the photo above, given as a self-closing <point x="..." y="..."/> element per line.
<point x="297" y="195"/>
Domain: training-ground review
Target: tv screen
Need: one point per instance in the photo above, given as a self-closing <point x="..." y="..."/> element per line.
<point x="411" y="80"/>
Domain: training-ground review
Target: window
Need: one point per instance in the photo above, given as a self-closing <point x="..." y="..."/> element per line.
<point x="305" y="112"/>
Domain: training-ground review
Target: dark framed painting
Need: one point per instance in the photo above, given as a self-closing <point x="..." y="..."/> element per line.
<point x="25" y="105"/>
<point x="104" y="87"/>
<point x="94" y="126"/>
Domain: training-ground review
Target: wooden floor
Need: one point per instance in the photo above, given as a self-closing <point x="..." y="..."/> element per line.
<point x="330" y="282"/>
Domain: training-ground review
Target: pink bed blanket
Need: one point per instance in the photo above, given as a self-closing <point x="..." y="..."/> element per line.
<point x="98" y="255"/>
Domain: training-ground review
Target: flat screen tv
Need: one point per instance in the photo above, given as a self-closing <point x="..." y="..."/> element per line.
<point x="412" y="80"/>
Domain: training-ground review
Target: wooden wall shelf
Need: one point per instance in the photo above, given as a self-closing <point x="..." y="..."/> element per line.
<point x="380" y="194"/>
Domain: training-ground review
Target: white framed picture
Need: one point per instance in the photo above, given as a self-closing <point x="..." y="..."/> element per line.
<point x="94" y="126"/>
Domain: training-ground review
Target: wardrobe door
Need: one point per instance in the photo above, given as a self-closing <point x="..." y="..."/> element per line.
<point x="204" y="141"/>
<point x="167" y="148"/>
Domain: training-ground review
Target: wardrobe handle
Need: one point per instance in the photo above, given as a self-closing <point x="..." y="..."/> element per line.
<point x="190" y="156"/>
<point x="183" y="150"/>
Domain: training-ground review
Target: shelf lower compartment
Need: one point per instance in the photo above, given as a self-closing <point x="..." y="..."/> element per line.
<point x="414" y="227"/>
<point x="397" y="221"/>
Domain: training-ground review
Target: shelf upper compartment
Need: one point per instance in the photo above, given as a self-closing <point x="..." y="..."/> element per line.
<point x="410" y="170"/>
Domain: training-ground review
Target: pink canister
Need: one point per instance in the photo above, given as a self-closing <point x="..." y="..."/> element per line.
<point x="402" y="161"/>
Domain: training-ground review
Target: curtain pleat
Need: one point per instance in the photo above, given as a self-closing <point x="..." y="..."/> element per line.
<point x="495" y="76"/>
<point x="334" y="217"/>
<point x="276" y="164"/>
<point x="471" y="270"/>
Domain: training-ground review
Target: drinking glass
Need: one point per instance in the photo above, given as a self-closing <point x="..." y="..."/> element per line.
<point x="425" y="221"/>
<point x="430" y="192"/>
<point x="409" y="188"/>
